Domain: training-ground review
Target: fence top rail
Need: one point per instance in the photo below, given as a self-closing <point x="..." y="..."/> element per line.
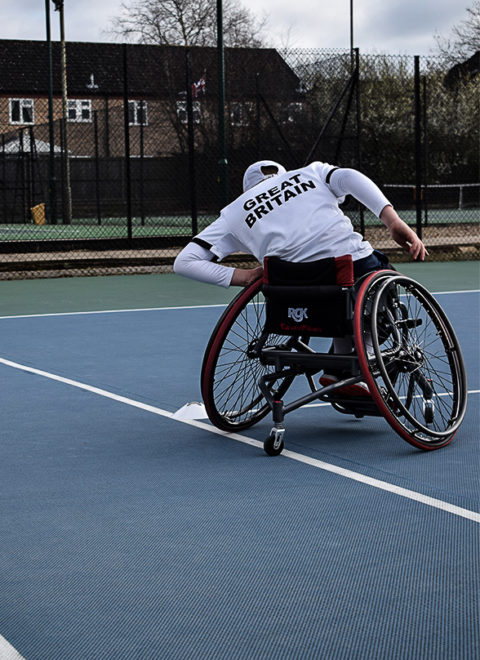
<point x="431" y="185"/>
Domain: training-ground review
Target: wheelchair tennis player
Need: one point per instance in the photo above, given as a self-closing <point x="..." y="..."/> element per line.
<point x="295" y="215"/>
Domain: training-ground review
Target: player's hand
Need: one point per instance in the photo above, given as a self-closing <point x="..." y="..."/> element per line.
<point x="416" y="249"/>
<point x="409" y="241"/>
<point x="246" y="276"/>
<point x="402" y="234"/>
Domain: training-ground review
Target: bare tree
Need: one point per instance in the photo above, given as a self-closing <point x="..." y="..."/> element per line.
<point x="464" y="39"/>
<point x="186" y="23"/>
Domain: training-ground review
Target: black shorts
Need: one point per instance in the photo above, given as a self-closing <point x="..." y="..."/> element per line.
<point x="375" y="261"/>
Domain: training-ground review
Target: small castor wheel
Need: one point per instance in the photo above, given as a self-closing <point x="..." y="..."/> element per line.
<point x="428" y="411"/>
<point x="274" y="444"/>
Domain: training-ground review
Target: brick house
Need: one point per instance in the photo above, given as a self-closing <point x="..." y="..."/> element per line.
<point x="155" y="89"/>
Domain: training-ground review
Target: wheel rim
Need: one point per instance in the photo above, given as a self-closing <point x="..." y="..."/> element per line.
<point x="230" y="379"/>
<point x="415" y="373"/>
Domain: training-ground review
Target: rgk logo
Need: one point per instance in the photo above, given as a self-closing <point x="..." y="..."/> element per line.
<point x="298" y="314"/>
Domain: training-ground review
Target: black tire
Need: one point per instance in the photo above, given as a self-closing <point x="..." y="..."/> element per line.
<point x="230" y="372"/>
<point x="410" y="359"/>
<point x="271" y="447"/>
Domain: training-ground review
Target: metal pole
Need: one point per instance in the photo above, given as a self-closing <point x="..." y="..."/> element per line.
<point x="223" y="163"/>
<point x="352" y="58"/>
<point x="191" y="142"/>
<point x="143" y="105"/>
<point x="358" y="120"/>
<point x="67" y="218"/>
<point x="418" y="147"/>
<point x="257" y="112"/>
<point x="97" y="168"/>
<point x="52" y="181"/>
<point x="126" y="130"/>
<point x="425" y="151"/>
<point x="4" y="177"/>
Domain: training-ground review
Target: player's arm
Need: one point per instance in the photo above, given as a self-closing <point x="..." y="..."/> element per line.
<point x="197" y="262"/>
<point x="346" y="181"/>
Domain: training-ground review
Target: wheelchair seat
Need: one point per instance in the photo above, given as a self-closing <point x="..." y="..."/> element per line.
<point x="314" y="298"/>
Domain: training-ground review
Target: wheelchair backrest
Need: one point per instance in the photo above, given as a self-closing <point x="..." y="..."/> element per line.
<point x="313" y="298"/>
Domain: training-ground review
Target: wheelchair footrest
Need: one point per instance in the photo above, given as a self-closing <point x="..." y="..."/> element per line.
<point x="358" y="406"/>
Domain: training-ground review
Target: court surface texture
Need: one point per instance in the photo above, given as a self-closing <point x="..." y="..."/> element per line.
<point x="129" y="534"/>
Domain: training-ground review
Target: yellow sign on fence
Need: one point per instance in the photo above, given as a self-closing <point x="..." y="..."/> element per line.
<point x="38" y="214"/>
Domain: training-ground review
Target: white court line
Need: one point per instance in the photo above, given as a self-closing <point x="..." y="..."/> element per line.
<point x="7" y="652"/>
<point x="164" y="309"/>
<point x="111" y="311"/>
<point x="301" y="458"/>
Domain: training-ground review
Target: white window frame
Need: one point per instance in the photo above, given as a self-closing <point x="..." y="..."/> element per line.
<point x="78" y="106"/>
<point x="24" y="104"/>
<point x="135" y="109"/>
<point x="240" y="113"/>
<point x="196" y="111"/>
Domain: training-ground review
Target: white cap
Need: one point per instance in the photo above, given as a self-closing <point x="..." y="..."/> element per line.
<point x="254" y="173"/>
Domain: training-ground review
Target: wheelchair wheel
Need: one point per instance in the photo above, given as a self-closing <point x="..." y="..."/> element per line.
<point x="231" y="368"/>
<point x="410" y="359"/>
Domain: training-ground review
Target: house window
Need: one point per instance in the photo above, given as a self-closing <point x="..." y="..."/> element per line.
<point x="240" y="113"/>
<point x="182" y="111"/>
<point x="78" y="110"/>
<point x="137" y="113"/>
<point x="21" y="111"/>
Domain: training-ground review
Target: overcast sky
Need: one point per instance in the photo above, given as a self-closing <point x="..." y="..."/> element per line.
<point x="385" y="26"/>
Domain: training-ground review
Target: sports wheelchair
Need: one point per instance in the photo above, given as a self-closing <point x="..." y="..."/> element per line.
<point x="405" y="351"/>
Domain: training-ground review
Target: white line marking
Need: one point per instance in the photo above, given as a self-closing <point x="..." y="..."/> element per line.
<point x="7" y="652"/>
<point x="110" y="311"/>
<point x="349" y="474"/>
<point x="444" y="293"/>
<point x="164" y="309"/>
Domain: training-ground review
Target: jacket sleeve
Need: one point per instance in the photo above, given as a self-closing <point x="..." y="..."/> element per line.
<point x="195" y="262"/>
<point x="346" y="181"/>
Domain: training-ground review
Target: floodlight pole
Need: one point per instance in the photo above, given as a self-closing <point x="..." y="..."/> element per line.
<point x="223" y="163"/>
<point x="67" y="219"/>
<point x="351" y="36"/>
<point x="52" y="183"/>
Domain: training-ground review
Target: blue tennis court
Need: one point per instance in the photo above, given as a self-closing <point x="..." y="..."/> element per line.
<point x="127" y="533"/>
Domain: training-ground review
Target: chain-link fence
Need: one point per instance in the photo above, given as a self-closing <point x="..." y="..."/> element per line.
<point x="136" y="159"/>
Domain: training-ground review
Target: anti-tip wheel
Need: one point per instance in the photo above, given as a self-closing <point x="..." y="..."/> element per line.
<point x="273" y="445"/>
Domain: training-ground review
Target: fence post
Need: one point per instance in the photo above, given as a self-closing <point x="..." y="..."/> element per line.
<point x="4" y="179"/>
<point x="126" y="130"/>
<point x="425" y="151"/>
<point x="52" y="180"/>
<point x="223" y="162"/>
<point x="143" y="114"/>
<point x="191" y="142"/>
<point x="358" y="118"/>
<point x="97" y="167"/>
<point x="418" y="147"/>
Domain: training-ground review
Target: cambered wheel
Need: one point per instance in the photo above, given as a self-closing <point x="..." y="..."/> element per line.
<point x="232" y="368"/>
<point x="410" y="359"/>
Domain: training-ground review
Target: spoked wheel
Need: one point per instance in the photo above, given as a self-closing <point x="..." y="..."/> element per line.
<point x="410" y="359"/>
<point x="232" y="367"/>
